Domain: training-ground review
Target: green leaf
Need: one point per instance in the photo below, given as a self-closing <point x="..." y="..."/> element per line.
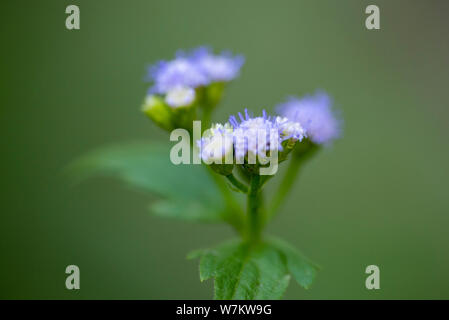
<point x="303" y="270"/>
<point x="244" y="272"/>
<point x="188" y="191"/>
<point x="195" y="254"/>
<point x="187" y="210"/>
<point x="247" y="272"/>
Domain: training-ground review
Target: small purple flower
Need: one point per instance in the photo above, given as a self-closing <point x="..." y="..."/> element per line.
<point x="217" y="68"/>
<point x="315" y="115"/>
<point x="258" y="135"/>
<point x="180" y="72"/>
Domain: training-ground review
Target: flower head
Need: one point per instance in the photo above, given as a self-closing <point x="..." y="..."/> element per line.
<point x="315" y="114"/>
<point x="180" y="72"/>
<point x="259" y="135"/>
<point x="217" y="68"/>
<point x="289" y="129"/>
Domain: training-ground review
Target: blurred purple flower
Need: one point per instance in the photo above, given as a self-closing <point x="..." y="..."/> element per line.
<point x="180" y="72"/>
<point x="314" y="113"/>
<point x="217" y="68"/>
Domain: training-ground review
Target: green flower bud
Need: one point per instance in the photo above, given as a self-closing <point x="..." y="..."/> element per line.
<point x="156" y="109"/>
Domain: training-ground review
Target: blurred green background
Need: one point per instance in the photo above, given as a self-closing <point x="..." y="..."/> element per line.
<point x="378" y="196"/>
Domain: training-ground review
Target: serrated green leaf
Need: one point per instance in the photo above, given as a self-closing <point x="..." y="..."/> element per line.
<point x="264" y="276"/>
<point x="244" y="272"/>
<point x="303" y="270"/>
<point x="188" y="191"/>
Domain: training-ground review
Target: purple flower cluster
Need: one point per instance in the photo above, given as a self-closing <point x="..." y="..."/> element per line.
<point x="178" y="73"/>
<point x="250" y="137"/>
<point x="258" y="135"/>
<point x="199" y="67"/>
<point x="217" y="68"/>
<point x="314" y="113"/>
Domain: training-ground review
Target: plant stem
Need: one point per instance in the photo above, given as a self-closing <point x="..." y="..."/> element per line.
<point x="254" y="218"/>
<point x="236" y="183"/>
<point x="285" y="186"/>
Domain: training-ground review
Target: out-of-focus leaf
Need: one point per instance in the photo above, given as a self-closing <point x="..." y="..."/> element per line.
<point x="186" y="210"/>
<point x="302" y="269"/>
<point x="188" y="191"/>
<point x="244" y="272"/>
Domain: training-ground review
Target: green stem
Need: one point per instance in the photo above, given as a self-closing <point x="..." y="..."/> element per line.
<point x="285" y="186"/>
<point x="236" y="183"/>
<point x="254" y="218"/>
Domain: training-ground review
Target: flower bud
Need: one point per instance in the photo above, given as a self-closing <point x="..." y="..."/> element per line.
<point x="155" y="108"/>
